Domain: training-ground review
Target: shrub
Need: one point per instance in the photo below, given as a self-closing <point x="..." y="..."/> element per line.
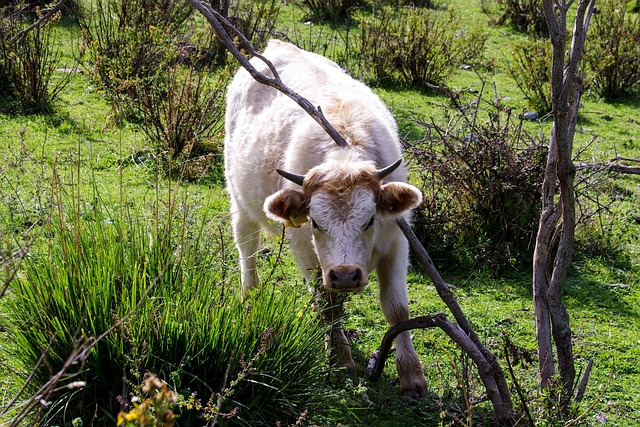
<point x="68" y="7"/>
<point x="155" y="68"/>
<point x="129" y="42"/>
<point x="614" y="50"/>
<point x="329" y="10"/>
<point x="164" y="285"/>
<point x="183" y="114"/>
<point x="531" y="70"/>
<point x="416" y="46"/>
<point x="481" y="175"/>
<point x="28" y="60"/>
<point x="256" y="20"/>
<point x="525" y="15"/>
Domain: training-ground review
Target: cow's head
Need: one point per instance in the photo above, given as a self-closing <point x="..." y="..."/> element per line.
<point x="344" y="202"/>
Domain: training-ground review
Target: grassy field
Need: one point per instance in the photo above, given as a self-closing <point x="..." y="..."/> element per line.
<point x="77" y="152"/>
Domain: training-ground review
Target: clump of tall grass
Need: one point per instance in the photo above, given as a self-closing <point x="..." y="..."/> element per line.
<point x="158" y="294"/>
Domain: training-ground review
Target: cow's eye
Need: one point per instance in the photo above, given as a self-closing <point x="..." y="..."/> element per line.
<point x="370" y="223"/>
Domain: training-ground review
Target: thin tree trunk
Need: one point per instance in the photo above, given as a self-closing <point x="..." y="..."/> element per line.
<point x="558" y="212"/>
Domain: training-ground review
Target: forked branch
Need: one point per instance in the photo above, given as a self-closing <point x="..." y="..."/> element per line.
<point x="44" y="16"/>
<point x="226" y="32"/>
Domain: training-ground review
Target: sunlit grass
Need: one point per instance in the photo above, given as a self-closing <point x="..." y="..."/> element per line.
<point x="110" y="164"/>
<point x="165" y="287"/>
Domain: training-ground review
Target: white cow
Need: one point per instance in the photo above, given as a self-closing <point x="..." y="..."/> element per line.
<point x="338" y="213"/>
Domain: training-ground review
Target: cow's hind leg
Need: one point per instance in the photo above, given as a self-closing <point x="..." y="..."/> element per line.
<point x="247" y="237"/>
<point x="394" y="301"/>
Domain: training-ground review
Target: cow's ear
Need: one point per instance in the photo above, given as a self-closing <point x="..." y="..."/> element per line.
<point x="287" y="206"/>
<point x="397" y="198"/>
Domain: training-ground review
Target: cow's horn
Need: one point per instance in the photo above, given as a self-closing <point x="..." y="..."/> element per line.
<point x="383" y="173"/>
<point x="296" y="179"/>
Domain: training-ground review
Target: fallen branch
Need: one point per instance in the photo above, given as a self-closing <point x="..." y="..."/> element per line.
<point x="612" y="166"/>
<point x="493" y="379"/>
<point x="379" y="357"/>
<point x="583" y="383"/>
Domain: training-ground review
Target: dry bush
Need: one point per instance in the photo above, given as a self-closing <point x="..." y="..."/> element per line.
<point x="329" y="10"/>
<point x="480" y="174"/>
<point x="525" y="15"/>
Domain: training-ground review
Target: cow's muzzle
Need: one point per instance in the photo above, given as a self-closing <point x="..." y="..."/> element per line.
<point x="346" y="278"/>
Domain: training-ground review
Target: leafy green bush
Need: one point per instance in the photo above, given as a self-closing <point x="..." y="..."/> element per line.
<point x="614" y="50"/>
<point x="481" y="175"/>
<point x="531" y="70"/>
<point x="416" y="46"/>
<point x="155" y="66"/>
<point x="329" y="10"/>
<point x="525" y="15"/>
<point x="164" y="289"/>
<point x="28" y="60"/>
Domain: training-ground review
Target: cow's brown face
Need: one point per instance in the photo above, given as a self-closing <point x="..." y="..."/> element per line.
<point x="343" y="204"/>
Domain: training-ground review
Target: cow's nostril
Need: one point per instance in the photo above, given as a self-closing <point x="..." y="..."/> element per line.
<point x="345" y="277"/>
<point x="355" y="277"/>
<point x="334" y="277"/>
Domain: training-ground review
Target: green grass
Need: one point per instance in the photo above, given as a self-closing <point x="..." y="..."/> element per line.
<point x="80" y="154"/>
<point x="179" y="317"/>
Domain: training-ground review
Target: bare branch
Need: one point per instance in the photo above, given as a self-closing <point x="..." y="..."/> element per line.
<point x="222" y="27"/>
<point x="612" y="167"/>
<point x="461" y="338"/>
<point x="379" y="357"/>
<point x="583" y="383"/>
<point x="50" y="12"/>
<point x="464" y="335"/>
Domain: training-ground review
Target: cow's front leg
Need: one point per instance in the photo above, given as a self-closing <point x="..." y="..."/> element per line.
<point x="392" y="278"/>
